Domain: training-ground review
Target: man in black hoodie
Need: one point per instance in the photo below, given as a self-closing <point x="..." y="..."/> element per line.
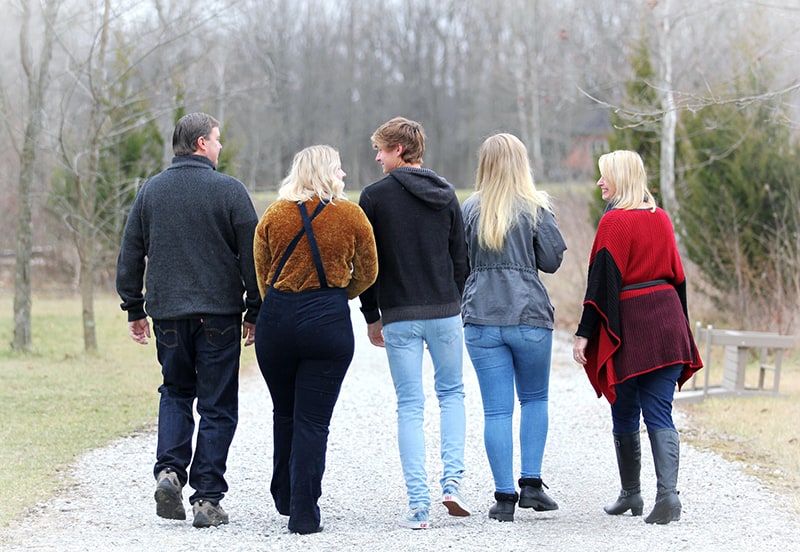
<point x="416" y="301"/>
<point x="190" y="230"/>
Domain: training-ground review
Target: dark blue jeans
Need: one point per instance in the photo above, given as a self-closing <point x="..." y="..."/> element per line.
<point x="648" y="396"/>
<point x="304" y="345"/>
<point x="199" y="360"/>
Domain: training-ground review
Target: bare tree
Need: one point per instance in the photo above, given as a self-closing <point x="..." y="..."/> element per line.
<point x="37" y="76"/>
<point x="104" y="101"/>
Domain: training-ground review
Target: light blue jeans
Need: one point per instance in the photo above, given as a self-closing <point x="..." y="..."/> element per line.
<point x="505" y="357"/>
<point x="405" y="343"/>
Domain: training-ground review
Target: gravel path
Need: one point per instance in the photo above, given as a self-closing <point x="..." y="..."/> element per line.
<point x="111" y="507"/>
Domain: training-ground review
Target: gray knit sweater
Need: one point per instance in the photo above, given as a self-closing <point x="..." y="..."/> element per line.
<point x="191" y="230"/>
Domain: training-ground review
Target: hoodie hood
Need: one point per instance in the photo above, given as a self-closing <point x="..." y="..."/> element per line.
<point x="426" y="185"/>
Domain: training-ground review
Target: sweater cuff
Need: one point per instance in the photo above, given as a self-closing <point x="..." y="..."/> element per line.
<point x="136" y="314"/>
<point x="371" y="316"/>
<point x="251" y="315"/>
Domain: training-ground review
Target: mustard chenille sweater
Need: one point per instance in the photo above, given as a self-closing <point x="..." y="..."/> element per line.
<point x="344" y="237"/>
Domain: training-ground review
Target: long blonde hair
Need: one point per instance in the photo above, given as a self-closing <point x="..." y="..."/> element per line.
<point x="313" y="173"/>
<point x="624" y="170"/>
<point x="506" y="189"/>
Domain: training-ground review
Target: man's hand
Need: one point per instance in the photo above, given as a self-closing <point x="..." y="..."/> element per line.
<point x="139" y="330"/>
<point x="375" y="333"/>
<point x="248" y="333"/>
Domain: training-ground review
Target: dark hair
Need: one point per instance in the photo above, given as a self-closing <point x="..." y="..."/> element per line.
<point x="188" y="129"/>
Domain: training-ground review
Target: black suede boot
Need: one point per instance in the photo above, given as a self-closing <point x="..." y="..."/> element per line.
<point x="531" y="495"/>
<point x="666" y="457"/>
<point x="503" y="510"/>
<point x="629" y="462"/>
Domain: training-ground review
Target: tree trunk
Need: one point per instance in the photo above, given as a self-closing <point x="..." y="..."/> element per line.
<point x="37" y="82"/>
<point x="86" y="283"/>
<point x="670" y="120"/>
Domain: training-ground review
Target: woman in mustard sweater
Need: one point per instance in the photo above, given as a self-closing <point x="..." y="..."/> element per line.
<point x="313" y="251"/>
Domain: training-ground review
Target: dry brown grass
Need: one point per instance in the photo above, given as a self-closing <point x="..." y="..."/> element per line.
<point x="761" y="432"/>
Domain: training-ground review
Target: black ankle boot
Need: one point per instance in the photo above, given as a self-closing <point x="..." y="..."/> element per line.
<point x="503" y="510"/>
<point x="531" y="495"/>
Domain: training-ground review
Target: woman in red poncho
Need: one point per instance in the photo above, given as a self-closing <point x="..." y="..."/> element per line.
<point x="634" y="339"/>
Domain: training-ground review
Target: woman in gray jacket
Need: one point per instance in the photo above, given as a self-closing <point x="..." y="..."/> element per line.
<point x="508" y="318"/>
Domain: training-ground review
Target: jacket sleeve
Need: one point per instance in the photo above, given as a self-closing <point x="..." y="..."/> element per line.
<point x="365" y="258"/>
<point x="262" y="257"/>
<point x="549" y="244"/>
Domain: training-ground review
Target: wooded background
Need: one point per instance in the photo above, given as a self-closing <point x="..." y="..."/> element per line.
<point x="706" y="91"/>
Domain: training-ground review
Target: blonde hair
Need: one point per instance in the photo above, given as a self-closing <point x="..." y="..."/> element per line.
<point x="506" y="189"/>
<point x="625" y="171"/>
<point x="313" y="173"/>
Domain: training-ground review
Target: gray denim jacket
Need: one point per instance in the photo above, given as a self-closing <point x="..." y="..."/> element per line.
<point x="503" y="288"/>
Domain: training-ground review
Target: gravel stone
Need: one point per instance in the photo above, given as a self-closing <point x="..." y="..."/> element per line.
<point x="110" y="505"/>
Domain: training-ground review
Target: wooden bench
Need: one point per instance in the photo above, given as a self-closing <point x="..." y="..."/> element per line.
<point x="737" y="347"/>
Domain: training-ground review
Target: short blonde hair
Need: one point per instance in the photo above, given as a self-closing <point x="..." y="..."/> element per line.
<point x="313" y="173"/>
<point x="624" y="170"/>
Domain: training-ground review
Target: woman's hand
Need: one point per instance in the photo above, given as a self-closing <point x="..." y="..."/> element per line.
<point x="579" y="350"/>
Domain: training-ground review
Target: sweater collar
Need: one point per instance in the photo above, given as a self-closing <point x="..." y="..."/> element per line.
<point x="192" y="160"/>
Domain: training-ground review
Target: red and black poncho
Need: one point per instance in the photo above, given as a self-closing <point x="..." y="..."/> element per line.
<point x="634" y="312"/>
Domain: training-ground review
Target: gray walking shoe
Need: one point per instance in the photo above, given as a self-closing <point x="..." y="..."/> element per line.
<point x="168" y="495"/>
<point x="208" y="514"/>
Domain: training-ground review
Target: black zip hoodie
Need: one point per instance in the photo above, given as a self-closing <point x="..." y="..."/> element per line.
<point x="422" y="252"/>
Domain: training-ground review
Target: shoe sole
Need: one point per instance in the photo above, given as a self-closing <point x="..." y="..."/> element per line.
<point x="169" y="504"/>
<point x="454" y="508"/>
<point x="202" y="521"/>
<point x="536" y="505"/>
<point x="414" y="525"/>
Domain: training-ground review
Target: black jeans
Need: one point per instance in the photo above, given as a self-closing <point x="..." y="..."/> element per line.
<point x="304" y="345"/>
<point x="199" y="360"/>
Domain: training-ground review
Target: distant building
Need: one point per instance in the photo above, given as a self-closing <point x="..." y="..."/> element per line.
<point x="588" y="143"/>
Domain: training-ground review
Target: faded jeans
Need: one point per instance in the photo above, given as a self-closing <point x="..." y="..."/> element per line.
<point x="405" y="343"/>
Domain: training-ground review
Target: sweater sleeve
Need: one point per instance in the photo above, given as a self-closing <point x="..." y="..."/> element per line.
<point x="458" y="249"/>
<point x="131" y="263"/>
<point x="244" y="223"/>
<point x="369" y="297"/>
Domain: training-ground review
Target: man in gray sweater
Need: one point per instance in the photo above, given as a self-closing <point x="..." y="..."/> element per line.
<point x="190" y="229"/>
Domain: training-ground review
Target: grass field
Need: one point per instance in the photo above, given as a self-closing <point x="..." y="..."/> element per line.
<point x="60" y="402"/>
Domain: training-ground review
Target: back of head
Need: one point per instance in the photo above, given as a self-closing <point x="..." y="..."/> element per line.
<point x="189" y="129"/>
<point x="625" y="170"/>
<point x="505" y="183"/>
<point x="404" y="132"/>
<point x="313" y="173"/>
<point x="503" y="163"/>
